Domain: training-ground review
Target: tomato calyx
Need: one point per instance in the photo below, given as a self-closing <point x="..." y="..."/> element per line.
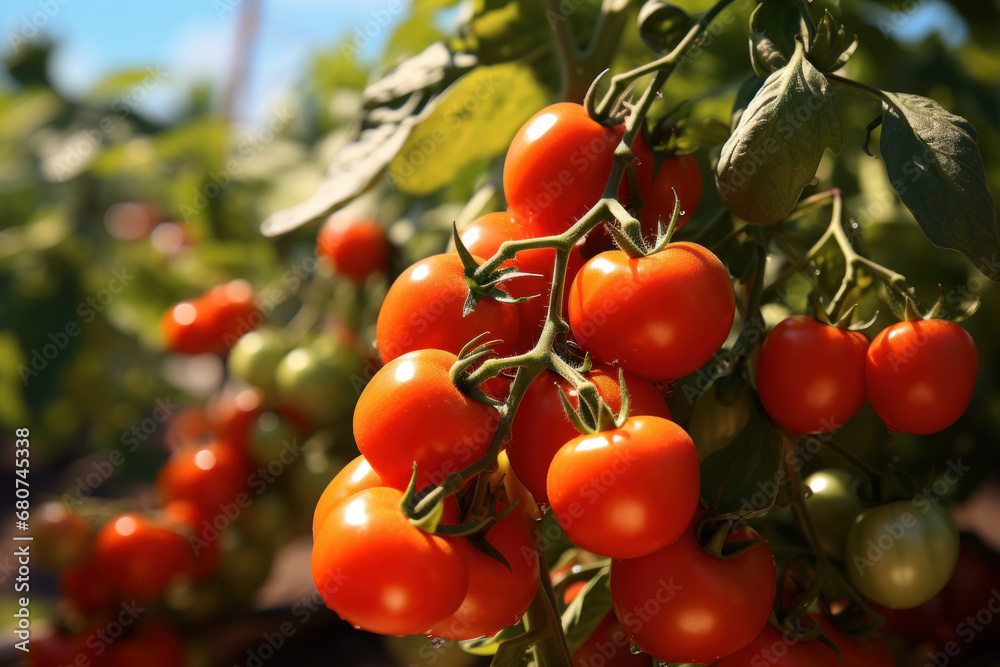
<point x="629" y="235"/>
<point x="489" y="286"/>
<point x="714" y="527"/>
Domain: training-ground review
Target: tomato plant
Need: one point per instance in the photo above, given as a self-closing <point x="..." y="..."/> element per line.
<point x="355" y="248"/>
<point x="140" y="558"/>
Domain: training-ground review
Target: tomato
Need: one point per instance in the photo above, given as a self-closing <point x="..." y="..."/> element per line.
<point x="317" y="383"/>
<point x="858" y="651"/>
<point x="381" y="573"/>
<point x="681" y="605"/>
<point x="232" y="414"/>
<point x="920" y="375"/>
<point x="60" y="650"/>
<point x="186" y="327"/>
<point x="255" y="357"/>
<point x="607" y="646"/>
<point x="541" y="427"/>
<point x="355" y="476"/>
<point x="558" y="166"/>
<point x="232" y="313"/>
<point x="154" y="645"/>
<point x="901" y="554"/>
<point x="139" y="557"/>
<point x="86" y="586"/>
<point x="483" y="238"/>
<point x="772" y="648"/>
<point x="210" y="477"/>
<point x="659" y="317"/>
<point x="273" y="436"/>
<point x="354" y="247"/>
<point x="811" y="376"/>
<point x="423" y="310"/>
<point x="185" y="518"/>
<point x="410" y="411"/>
<point x="833" y="505"/>
<point x="626" y="492"/>
<point x="497" y="597"/>
<point x="925" y="623"/>
<point x="62" y="537"/>
<point x="678" y="173"/>
<point x="973" y="591"/>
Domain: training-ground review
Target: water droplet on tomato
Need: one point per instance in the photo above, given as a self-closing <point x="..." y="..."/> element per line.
<point x="436" y="642"/>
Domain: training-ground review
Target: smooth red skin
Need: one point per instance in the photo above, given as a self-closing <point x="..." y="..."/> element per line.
<point x="354" y="247"/>
<point x="155" y="645"/>
<point x="541" y="427"/>
<point x="595" y="481"/>
<point x="195" y="337"/>
<point x="731" y="598"/>
<point x="186" y="518"/>
<point x="679" y="172"/>
<point x="423" y="311"/>
<point x="209" y="490"/>
<point x="773" y="649"/>
<point x="659" y="317"/>
<point x="917" y="625"/>
<point x="858" y="652"/>
<point x="143" y="563"/>
<point x="971" y="589"/>
<point x="233" y="414"/>
<point x="86" y="586"/>
<point x="811" y="376"/>
<point x="558" y="165"/>
<point x="411" y="411"/>
<point x="607" y="646"/>
<point x="483" y="238"/>
<point x="920" y="375"/>
<point x="366" y="548"/>
<point x="356" y="476"/>
<point x="60" y="651"/>
<point x="220" y="319"/>
<point x="497" y="597"/>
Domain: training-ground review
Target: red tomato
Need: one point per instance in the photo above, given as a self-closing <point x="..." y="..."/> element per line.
<point x="497" y="597"/>
<point x="154" y="645"/>
<point x="381" y="573"/>
<point x="772" y="648"/>
<point x="86" y="586"/>
<point x="607" y="646"/>
<point x="410" y="411"/>
<point x="232" y="313"/>
<point x="678" y="173"/>
<point x="558" y="166"/>
<point x="355" y="476"/>
<point x="233" y="413"/>
<point x="858" y="651"/>
<point x="354" y="247"/>
<point x="626" y="492"/>
<point x="811" y="377"/>
<point x="916" y="625"/>
<point x="60" y="650"/>
<point x="973" y="588"/>
<point x="210" y="477"/>
<point x="541" y="427"/>
<point x="659" y="317"/>
<point x="139" y="557"/>
<point x="186" y="327"/>
<point x="483" y="238"/>
<point x="920" y="375"/>
<point x="681" y="605"/>
<point x="423" y="310"/>
<point x="186" y="518"/>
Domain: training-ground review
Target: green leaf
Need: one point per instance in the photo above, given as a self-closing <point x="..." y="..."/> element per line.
<point x="774" y="151"/>
<point x="503" y="30"/>
<point x="489" y="645"/>
<point x="747" y="91"/>
<point x="691" y="137"/>
<point x="831" y="49"/>
<point x="747" y="469"/>
<point x="420" y="6"/>
<point x="935" y="166"/>
<point x="475" y="121"/>
<point x="775" y="25"/>
<point x="662" y="25"/>
<point x="587" y="610"/>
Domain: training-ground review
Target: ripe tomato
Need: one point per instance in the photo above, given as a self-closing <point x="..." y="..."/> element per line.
<point x="423" y="310"/>
<point x="658" y="597"/>
<point x="232" y="413"/>
<point x="209" y="477"/>
<point x="483" y="238"/>
<point x="607" y="646"/>
<point x="231" y="313"/>
<point x="355" y="476"/>
<point x="541" y="427"/>
<point x="659" y="317"/>
<point x="154" y="645"/>
<point x="975" y="586"/>
<point x="139" y="557"/>
<point x="902" y="554"/>
<point x="381" y="573"/>
<point x="811" y="376"/>
<point x="60" y="650"/>
<point x="858" y="651"/>
<point x="771" y="647"/>
<point x="676" y="172"/>
<point x="186" y="327"/>
<point x="86" y="586"/>
<point x="558" y="165"/>
<point x="354" y="247"/>
<point x="497" y="597"/>
<point x="920" y="375"/>
<point x="411" y="411"/>
<point x="185" y="518"/>
<point x="834" y="505"/>
<point x="626" y="492"/>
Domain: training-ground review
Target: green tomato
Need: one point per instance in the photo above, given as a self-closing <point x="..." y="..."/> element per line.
<point x="255" y="357"/>
<point x="903" y="553"/>
<point x="833" y="506"/>
<point x="316" y="384"/>
<point x="270" y="436"/>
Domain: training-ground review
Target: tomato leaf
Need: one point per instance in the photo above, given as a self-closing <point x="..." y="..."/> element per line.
<point x="831" y="49"/>
<point x="662" y="25"/>
<point x="935" y="166"/>
<point x="747" y="467"/>
<point x="690" y="137"/>
<point x="775" y="25"/>
<point x="587" y="610"/>
<point x="774" y="151"/>
<point x="489" y="645"/>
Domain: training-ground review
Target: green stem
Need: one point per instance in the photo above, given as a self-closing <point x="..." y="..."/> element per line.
<point x="551" y="650"/>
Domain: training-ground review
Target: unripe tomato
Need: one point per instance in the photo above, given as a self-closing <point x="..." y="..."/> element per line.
<point x="62" y="537"/>
<point x="209" y="477"/>
<point x="541" y="427"/>
<point x="656" y="598"/>
<point x="354" y="247"/>
<point x="920" y="375"/>
<point x="833" y="505"/>
<point x="154" y="645"/>
<point x="659" y="317"/>
<point x="318" y="385"/>
<point x="811" y="376"/>
<point x="626" y="492"/>
<point x="272" y="436"/>
<point x="903" y="553"/>
<point x="355" y="476"/>
<point x="139" y="557"/>
<point x="423" y="310"/>
<point x="411" y="411"/>
<point x="497" y="597"/>
<point x="558" y="166"/>
<point x="255" y="357"/>
<point x="381" y="573"/>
